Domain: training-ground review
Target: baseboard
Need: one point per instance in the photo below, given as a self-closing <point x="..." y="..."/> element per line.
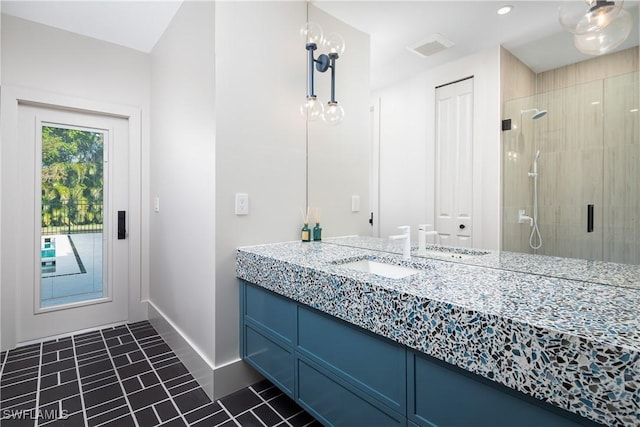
<point x="197" y="364"/>
<point x="233" y="376"/>
<point x="217" y="381"/>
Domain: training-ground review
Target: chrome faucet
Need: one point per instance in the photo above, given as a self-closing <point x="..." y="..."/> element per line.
<point x="406" y="235"/>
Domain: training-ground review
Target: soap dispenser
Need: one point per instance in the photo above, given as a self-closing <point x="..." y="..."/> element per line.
<point x="317" y="230"/>
<point x="305" y="233"/>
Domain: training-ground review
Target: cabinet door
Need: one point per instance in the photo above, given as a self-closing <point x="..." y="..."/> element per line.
<point x="272" y="359"/>
<point x="271" y="312"/>
<point x="443" y="396"/>
<point x="331" y="400"/>
<point x="268" y="325"/>
<point x="373" y="364"/>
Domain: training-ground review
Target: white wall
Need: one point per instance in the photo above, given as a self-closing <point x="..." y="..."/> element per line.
<point x="406" y="181"/>
<point x="338" y="166"/>
<point x="407" y="147"/>
<point x="43" y="58"/>
<point x="182" y="160"/>
<point x="260" y="141"/>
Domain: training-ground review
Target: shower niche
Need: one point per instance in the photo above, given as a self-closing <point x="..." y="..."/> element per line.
<point x="587" y="170"/>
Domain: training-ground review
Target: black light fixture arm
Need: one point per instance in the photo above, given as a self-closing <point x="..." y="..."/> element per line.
<point x="332" y="58"/>
<point x="310" y="48"/>
<point x="323" y="63"/>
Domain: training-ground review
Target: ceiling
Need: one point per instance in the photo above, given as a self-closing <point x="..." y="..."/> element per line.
<point x="134" y="24"/>
<point x="531" y="31"/>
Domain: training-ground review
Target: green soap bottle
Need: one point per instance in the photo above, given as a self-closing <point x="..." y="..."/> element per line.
<point x="305" y="233"/>
<point x="317" y="232"/>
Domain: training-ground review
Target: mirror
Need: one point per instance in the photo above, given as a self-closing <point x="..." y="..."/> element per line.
<point x="394" y="141"/>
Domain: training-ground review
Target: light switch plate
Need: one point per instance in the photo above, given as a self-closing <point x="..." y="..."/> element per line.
<point x="242" y="204"/>
<point x="355" y="203"/>
<point x="156" y="204"/>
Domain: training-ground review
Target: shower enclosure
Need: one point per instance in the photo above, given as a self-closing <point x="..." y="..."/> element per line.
<point x="588" y="171"/>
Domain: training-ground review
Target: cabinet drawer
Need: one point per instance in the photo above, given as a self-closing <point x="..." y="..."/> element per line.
<point x="273" y="360"/>
<point x="330" y="401"/>
<point x="271" y="311"/>
<point x="444" y="396"/>
<point x="374" y="364"/>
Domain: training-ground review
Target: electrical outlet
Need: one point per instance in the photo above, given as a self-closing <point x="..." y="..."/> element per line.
<point x="242" y="204"/>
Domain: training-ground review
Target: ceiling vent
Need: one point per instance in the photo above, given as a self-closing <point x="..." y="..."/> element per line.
<point x="431" y="45"/>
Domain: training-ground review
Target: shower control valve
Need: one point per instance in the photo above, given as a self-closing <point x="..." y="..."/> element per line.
<point x="522" y="218"/>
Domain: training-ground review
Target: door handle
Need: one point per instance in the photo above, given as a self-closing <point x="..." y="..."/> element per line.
<point x="589" y="218"/>
<point x="122" y="225"/>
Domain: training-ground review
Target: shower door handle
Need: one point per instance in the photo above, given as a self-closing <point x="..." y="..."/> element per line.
<point x="122" y="225"/>
<point x="589" y="218"/>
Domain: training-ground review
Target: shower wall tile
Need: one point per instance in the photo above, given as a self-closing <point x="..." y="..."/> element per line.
<point x="598" y="68"/>
<point x="622" y="202"/>
<point x="622" y="170"/>
<point x="518" y="80"/>
<point x="590" y="154"/>
<point x="518" y="146"/>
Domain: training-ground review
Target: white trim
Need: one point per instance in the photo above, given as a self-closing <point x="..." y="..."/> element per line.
<point x="70" y="334"/>
<point x="187" y="351"/>
<point x="227" y="378"/>
<point x="233" y="376"/>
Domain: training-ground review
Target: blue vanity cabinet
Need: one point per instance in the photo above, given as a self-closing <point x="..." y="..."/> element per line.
<point x="341" y="374"/>
<point x="346" y="376"/>
<point x="442" y="395"/>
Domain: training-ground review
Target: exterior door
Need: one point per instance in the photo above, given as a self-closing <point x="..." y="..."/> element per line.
<point x="454" y="163"/>
<point x="72" y="255"/>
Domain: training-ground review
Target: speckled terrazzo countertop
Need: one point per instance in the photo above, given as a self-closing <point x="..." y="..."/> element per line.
<point x="568" y="342"/>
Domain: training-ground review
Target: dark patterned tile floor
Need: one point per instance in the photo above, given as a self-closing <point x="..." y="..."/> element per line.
<point x="125" y="376"/>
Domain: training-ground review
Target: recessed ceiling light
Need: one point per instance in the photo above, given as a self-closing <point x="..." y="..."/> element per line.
<point x="505" y="9"/>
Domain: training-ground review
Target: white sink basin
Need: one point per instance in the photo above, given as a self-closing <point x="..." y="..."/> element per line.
<point x="390" y="271"/>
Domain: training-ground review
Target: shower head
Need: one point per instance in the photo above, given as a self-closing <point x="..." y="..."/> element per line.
<point x="537" y="114"/>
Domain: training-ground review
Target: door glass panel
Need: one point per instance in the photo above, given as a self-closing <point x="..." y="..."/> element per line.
<point x="72" y="213"/>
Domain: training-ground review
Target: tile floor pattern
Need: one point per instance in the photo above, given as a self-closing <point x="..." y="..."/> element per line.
<point x="125" y="376"/>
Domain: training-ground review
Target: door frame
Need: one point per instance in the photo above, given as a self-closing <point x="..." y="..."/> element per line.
<point x="10" y="99"/>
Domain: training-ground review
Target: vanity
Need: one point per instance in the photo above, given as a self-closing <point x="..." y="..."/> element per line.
<point x="442" y="343"/>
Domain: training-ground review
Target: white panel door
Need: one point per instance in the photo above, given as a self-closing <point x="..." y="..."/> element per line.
<point x="72" y="263"/>
<point x="454" y="163"/>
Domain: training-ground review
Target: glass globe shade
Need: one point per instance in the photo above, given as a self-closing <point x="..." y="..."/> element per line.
<point x="577" y="20"/>
<point x="334" y="43"/>
<point x="311" y="33"/>
<point x="599" y="18"/>
<point x="333" y="114"/>
<point x="605" y="40"/>
<point x="311" y="108"/>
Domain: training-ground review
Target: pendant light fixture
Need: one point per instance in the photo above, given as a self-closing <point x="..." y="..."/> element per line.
<point x="312" y="108"/>
<point x="599" y="29"/>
